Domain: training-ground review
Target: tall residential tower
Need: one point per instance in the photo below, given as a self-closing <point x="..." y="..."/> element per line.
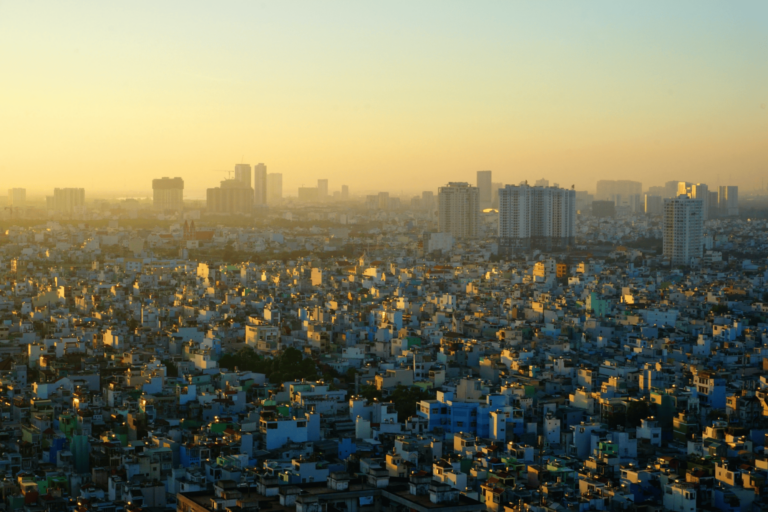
<point x="683" y="229"/>
<point x="259" y="185"/>
<point x="459" y="210"/>
<point x="536" y="217"/>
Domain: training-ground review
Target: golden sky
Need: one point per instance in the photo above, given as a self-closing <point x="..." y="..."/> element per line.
<point x="399" y="96"/>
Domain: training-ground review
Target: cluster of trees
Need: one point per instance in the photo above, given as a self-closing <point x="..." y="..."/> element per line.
<point x="405" y="398"/>
<point x="289" y="365"/>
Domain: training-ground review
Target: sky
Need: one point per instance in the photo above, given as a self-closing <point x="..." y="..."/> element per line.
<point x="398" y="95"/>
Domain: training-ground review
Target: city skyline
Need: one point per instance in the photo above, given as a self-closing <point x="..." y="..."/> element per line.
<point x="370" y="96"/>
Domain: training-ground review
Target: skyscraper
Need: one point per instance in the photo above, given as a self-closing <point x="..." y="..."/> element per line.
<point x="428" y="201"/>
<point x="495" y="194"/>
<point x="232" y="196"/>
<point x="322" y="189"/>
<point x="728" y="200"/>
<point x="485" y="188"/>
<point x="683" y="229"/>
<point x="243" y="174"/>
<point x="459" y="210"/>
<point x="68" y="199"/>
<point x="168" y="194"/>
<point x="274" y="187"/>
<point x="344" y="192"/>
<point x="701" y="191"/>
<point x="17" y="197"/>
<point x="540" y="217"/>
<point x="654" y="205"/>
<point x="260" y="185"/>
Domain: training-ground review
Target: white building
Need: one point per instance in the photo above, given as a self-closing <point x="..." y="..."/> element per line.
<point x="683" y="229"/>
<point x="536" y="217"/>
<point x="459" y="209"/>
<point x="680" y="497"/>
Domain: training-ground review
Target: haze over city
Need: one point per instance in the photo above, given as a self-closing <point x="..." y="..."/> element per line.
<point x="381" y="96"/>
<point x="354" y="256"/>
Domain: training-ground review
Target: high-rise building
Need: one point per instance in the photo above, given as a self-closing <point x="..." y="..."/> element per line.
<point x="168" y="194"/>
<point x="538" y="217"/>
<point x="322" y="189"/>
<point x="485" y="188"/>
<point x="701" y="191"/>
<point x="274" y="187"/>
<point x="614" y="190"/>
<point x="728" y="200"/>
<point x="670" y="189"/>
<point x="68" y="199"/>
<point x="603" y="209"/>
<point x="495" y="194"/>
<point x="458" y="210"/>
<point x="683" y="188"/>
<point x="243" y="174"/>
<point x="713" y="206"/>
<point x="683" y="229"/>
<point x="543" y="182"/>
<point x="344" y="192"/>
<point x="428" y="201"/>
<point x="17" y="197"/>
<point x="259" y="185"/>
<point x="654" y="205"/>
<point x="383" y="200"/>
<point x="232" y="196"/>
<point x="308" y="194"/>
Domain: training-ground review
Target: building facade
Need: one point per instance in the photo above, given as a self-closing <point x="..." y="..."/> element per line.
<point x="17" y="197"/>
<point x="485" y="188"/>
<point x="536" y="217"/>
<point x="459" y="209"/>
<point x="274" y="187"/>
<point x="683" y="229"/>
<point x="168" y="194"/>
<point x="728" y="201"/>
<point x="260" y="185"/>
<point x="231" y="197"/>
<point x="243" y="174"/>
<point x="68" y="199"/>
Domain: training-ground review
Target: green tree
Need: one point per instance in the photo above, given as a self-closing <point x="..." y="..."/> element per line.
<point x="406" y="400"/>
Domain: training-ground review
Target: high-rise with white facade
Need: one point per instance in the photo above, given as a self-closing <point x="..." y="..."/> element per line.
<point x="485" y="188"/>
<point x="274" y="187"/>
<point x="259" y="185"/>
<point x="531" y="217"/>
<point x="168" y="194"/>
<point x="458" y="210"/>
<point x="683" y="229"/>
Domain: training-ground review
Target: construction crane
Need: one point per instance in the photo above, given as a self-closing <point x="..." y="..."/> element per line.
<point x="229" y="174"/>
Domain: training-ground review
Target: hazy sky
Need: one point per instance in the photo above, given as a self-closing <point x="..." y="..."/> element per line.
<point x="382" y="95"/>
